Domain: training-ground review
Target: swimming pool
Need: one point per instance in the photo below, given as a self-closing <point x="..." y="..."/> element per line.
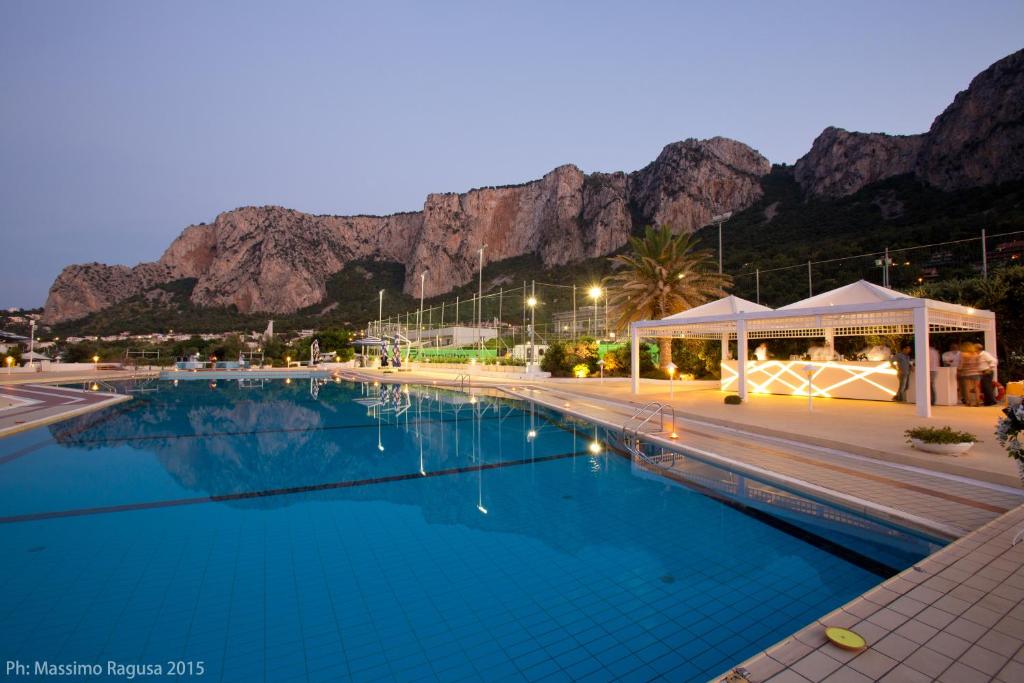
<point x="278" y="530"/>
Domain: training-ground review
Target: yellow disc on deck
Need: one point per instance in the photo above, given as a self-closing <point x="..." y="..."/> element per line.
<point x="845" y="638"/>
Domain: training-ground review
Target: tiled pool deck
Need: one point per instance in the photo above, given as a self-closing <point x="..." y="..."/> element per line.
<point x="956" y="616"/>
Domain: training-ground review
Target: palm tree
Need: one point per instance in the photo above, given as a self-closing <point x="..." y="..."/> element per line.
<point x="664" y="274"/>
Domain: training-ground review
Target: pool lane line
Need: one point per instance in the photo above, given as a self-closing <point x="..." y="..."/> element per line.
<point x="291" y="490"/>
<point x="289" y="430"/>
<point x="21" y="452"/>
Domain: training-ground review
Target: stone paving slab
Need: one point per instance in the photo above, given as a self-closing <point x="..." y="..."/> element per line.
<point x="956" y="616"/>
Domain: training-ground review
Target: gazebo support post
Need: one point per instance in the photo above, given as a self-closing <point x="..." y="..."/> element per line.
<point x="725" y="346"/>
<point x="922" y="373"/>
<point x="741" y="357"/>
<point x="634" y="359"/>
<point x="990" y="345"/>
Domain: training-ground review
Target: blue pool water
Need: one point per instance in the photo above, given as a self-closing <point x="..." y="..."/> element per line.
<point x="302" y="531"/>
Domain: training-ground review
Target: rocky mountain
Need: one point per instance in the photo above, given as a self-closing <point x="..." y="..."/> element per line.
<point x="841" y="162"/>
<point x="278" y="260"/>
<point x="271" y="259"/>
<point x="978" y="140"/>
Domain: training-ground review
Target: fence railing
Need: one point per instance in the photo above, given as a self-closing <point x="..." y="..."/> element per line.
<point x="502" y="320"/>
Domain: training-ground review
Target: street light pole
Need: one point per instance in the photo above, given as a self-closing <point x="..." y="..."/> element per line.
<point x="720" y="218"/>
<point x="32" y="343"/>
<point x="419" y="320"/>
<point x="532" y="303"/>
<point x="380" y="315"/>
<point x="595" y="294"/>
<point x="480" y="305"/>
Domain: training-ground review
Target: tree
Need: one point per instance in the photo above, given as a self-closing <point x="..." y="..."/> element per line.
<point x="664" y="274"/>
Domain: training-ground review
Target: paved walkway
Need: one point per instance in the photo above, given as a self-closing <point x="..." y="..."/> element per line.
<point x="871" y="428"/>
<point x="957" y="617"/>
<point x="34" y="405"/>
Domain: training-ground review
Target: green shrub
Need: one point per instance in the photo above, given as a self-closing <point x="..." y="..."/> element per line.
<point x="733" y="400"/>
<point x="553" y="360"/>
<point x="700" y="358"/>
<point x="940" y="435"/>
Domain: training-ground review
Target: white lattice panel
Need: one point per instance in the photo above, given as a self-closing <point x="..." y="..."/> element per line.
<point x="828" y="379"/>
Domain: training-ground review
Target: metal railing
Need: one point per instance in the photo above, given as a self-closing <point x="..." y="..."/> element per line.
<point x="465" y="382"/>
<point x="635" y="424"/>
<point x="643" y="416"/>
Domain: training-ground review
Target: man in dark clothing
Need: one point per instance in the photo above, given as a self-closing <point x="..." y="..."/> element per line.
<point x="902" y="373"/>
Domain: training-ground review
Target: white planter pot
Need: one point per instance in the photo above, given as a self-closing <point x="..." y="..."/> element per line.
<point x="942" y="448"/>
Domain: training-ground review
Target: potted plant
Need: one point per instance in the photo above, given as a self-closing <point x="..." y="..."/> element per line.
<point x="941" y="440"/>
<point x="1008" y="434"/>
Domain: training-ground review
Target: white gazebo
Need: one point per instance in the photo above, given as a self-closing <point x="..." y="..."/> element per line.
<point x="861" y="308"/>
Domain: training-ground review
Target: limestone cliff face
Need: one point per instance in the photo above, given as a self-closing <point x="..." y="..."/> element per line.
<point x="275" y="259"/>
<point x="82" y="289"/>
<point x="978" y="140"/>
<point x="841" y="162"/>
<point x="278" y="260"/>
<point x="693" y="180"/>
<point x="538" y="217"/>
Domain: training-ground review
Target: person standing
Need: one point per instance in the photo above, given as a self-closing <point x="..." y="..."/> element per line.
<point x="988" y="363"/>
<point x="951" y="359"/>
<point x="902" y="373"/>
<point x="969" y="373"/>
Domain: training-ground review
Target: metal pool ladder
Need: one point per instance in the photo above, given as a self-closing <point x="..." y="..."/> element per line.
<point x="636" y="422"/>
<point x="464" y="381"/>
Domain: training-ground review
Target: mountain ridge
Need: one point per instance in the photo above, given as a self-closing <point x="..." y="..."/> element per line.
<point x="278" y="260"/>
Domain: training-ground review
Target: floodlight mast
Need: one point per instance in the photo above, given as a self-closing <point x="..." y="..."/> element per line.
<point x="720" y="218"/>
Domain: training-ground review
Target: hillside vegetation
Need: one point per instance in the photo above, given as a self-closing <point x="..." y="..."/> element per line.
<point x="783" y="229"/>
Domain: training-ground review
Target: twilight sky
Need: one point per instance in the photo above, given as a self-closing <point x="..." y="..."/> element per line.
<point x="123" y="122"/>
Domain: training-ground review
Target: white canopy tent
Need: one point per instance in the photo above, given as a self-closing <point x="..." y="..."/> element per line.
<point x="861" y="308"/>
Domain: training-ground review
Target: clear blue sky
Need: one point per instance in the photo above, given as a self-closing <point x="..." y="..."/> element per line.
<point x="123" y="122"/>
